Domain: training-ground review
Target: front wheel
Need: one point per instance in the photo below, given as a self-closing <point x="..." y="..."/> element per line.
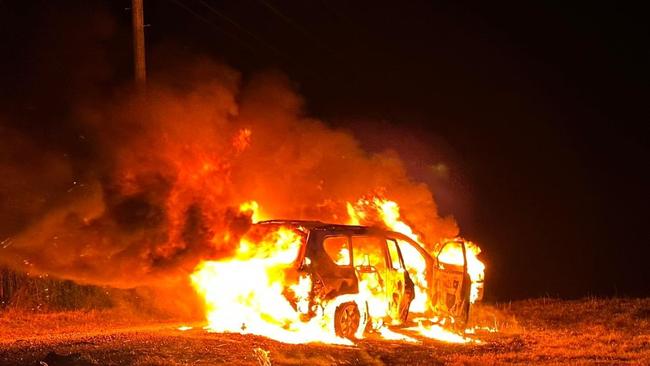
<point x="346" y="320"/>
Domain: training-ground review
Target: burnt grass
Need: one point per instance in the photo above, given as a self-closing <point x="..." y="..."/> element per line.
<point x="541" y="331"/>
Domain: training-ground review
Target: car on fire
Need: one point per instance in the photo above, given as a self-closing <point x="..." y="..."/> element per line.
<point x="362" y="272"/>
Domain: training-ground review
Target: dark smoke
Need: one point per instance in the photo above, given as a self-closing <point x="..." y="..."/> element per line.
<point x="120" y="189"/>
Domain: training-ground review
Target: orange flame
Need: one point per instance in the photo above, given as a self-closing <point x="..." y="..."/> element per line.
<point x="245" y="294"/>
<point x="249" y="292"/>
<point x="388" y="212"/>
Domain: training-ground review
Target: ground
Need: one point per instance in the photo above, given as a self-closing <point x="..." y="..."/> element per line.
<point x="542" y="331"/>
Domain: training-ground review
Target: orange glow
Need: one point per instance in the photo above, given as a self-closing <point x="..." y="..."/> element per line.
<point x="244" y="294"/>
<point x="389" y="214"/>
<point x="437" y="332"/>
<point x="251" y="208"/>
<point x="242" y="139"/>
<point x="249" y="292"/>
<point x="452" y="254"/>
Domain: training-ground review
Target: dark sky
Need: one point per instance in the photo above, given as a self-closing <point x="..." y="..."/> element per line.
<point x="536" y="115"/>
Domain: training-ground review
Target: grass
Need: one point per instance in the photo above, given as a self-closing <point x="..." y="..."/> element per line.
<point x="589" y="330"/>
<point x="546" y="331"/>
<point x="23" y="325"/>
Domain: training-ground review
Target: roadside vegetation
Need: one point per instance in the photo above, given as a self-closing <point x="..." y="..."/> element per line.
<point x="539" y="331"/>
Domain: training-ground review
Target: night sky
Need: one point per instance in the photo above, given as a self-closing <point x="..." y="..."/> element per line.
<point x="530" y="122"/>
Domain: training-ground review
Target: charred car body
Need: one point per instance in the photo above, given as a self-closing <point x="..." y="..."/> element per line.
<point x="363" y="272"/>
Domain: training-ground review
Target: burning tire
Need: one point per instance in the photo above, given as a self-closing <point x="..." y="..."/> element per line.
<point x="346" y="320"/>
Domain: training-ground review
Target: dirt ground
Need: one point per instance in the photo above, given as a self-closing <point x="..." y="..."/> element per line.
<point x="541" y="331"/>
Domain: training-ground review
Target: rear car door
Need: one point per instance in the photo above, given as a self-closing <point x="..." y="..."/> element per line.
<point x="371" y="264"/>
<point x="381" y="271"/>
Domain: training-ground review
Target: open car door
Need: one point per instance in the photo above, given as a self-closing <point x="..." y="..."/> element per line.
<point x="451" y="289"/>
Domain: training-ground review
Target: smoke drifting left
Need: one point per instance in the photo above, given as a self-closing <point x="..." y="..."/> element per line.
<point x="104" y="187"/>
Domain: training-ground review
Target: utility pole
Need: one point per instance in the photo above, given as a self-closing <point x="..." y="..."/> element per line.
<point x="138" y="43"/>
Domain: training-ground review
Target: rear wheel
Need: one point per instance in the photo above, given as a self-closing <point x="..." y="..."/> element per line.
<point x="346" y="320"/>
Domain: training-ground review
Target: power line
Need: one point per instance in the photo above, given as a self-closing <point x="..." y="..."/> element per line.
<point x="212" y="24"/>
<point x="291" y="22"/>
<point x="242" y="29"/>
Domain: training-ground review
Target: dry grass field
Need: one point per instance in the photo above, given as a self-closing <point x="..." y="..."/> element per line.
<point x="541" y="331"/>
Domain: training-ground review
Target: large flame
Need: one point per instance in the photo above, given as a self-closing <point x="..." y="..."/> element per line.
<point x="250" y="292"/>
<point x="246" y="294"/>
<point x="368" y="210"/>
<point x="388" y="213"/>
<point x="451" y="254"/>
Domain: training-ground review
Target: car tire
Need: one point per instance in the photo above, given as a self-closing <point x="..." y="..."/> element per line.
<point x="346" y="320"/>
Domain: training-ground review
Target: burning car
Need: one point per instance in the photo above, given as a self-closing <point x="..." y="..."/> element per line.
<point x="309" y="281"/>
<point x="361" y="273"/>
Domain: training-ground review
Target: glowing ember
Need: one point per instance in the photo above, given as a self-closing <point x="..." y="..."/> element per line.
<point x="393" y="336"/>
<point x="439" y="333"/>
<point x="479" y="328"/>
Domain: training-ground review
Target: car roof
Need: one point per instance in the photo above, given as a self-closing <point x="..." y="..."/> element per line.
<point x="311" y="224"/>
<point x="319" y="225"/>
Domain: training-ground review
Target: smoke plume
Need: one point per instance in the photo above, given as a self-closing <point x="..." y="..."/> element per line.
<point x="162" y="188"/>
<point x="104" y="186"/>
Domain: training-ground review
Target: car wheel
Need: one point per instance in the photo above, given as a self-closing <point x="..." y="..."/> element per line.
<point x="346" y="320"/>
